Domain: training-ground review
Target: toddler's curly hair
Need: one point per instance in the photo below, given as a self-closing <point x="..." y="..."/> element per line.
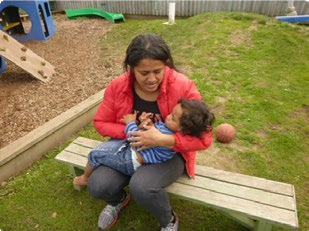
<point x="196" y="117"/>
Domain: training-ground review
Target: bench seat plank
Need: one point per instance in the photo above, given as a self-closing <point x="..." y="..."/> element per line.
<point x="73" y="159"/>
<point x="252" y="181"/>
<point x="229" y="202"/>
<point x="240" y="191"/>
<point x="78" y="150"/>
<point x="86" y="142"/>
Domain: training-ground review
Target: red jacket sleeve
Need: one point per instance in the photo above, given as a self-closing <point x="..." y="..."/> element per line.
<point x="185" y="143"/>
<point x="113" y="107"/>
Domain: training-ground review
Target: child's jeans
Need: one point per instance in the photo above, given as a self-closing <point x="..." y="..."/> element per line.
<point x="114" y="153"/>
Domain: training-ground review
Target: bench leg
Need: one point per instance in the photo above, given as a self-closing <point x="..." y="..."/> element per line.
<point x="249" y="222"/>
<point x="245" y="221"/>
<point x="263" y="226"/>
<point x="75" y="171"/>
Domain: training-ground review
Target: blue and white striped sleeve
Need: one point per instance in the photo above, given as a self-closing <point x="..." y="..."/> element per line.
<point x="132" y="126"/>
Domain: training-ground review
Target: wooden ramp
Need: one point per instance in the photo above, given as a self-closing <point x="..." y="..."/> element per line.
<point x="26" y="59"/>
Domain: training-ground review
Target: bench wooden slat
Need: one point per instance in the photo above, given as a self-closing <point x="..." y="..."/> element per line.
<point x="75" y="160"/>
<point x="78" y="150"/>
<point x="255" y="202"/>
<point x="250" y="194"/>
<point x="86" y="142"/>
<point x="230" y="203"/>
<point x="252" y="181"/>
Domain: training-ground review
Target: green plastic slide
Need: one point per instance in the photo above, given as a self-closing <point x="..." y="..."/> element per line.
<point x="112" y="17"/>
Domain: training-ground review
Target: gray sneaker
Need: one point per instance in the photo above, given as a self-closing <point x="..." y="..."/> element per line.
<point x="173" y="226"/>
<point x="110" y="214"/>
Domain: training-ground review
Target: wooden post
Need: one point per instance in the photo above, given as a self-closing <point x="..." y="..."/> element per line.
<point x="290" y="3"/>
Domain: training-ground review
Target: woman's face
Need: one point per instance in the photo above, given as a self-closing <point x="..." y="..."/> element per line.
<point x="149" y="74"/>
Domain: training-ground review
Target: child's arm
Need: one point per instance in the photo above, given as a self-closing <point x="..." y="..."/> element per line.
<point x="130" y="121"/>
<point x="129" y="118"/>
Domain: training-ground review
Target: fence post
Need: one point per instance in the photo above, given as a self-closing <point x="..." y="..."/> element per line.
<point x="171" y="13"/>
<point x="290" y="3"/>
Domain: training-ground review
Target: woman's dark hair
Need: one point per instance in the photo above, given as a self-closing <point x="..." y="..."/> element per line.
<point x="147" y="46"/>
<point x="196" y="117"/>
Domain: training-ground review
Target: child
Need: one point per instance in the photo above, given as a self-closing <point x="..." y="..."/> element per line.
<point x="191" y="117"/>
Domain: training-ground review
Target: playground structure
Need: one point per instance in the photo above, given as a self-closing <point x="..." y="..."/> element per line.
<point x="12" y="30"/>
<point x="42" y="25"/>
<point x="294" y="18"/>
<point x="112" y="17"/>
<point x="2" y="64"/>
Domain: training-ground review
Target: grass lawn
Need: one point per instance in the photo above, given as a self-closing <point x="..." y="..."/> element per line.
<point x="253" y="72"/>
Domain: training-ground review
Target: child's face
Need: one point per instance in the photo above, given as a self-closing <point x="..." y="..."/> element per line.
<point x="173" y="120"/>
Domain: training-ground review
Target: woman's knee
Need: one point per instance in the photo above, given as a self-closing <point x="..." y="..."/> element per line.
<point x="96" y="186"/>
<point x="139" y="188"/>
<point x="105" y="182"/>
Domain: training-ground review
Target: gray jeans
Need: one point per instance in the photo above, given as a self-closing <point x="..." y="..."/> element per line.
<point x="146" y="186"/>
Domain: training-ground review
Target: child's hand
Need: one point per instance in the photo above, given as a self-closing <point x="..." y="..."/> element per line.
<point x="145" y="119"/>
<point x="128" y="118"/>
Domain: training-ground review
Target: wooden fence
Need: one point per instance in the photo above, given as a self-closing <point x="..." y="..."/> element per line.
<point x="186" y="8"/>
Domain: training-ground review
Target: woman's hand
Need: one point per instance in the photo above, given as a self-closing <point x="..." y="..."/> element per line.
<point x="150" y="137"/>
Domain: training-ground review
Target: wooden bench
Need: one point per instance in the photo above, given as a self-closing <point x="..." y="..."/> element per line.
<point x="255" y="202"/>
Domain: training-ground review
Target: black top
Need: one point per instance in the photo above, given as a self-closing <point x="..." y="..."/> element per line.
<point x="141" y="106"/>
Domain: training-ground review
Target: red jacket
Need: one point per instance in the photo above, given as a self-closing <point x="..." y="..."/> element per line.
<point x="118" y="101"/>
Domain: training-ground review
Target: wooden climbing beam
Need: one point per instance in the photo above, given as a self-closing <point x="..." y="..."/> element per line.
<point x="26" y="59"/>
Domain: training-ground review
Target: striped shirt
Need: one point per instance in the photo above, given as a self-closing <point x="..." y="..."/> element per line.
<point x="156" y="154"/>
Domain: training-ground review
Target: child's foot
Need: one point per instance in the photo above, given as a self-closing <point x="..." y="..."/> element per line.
<point x="80" y="180"/>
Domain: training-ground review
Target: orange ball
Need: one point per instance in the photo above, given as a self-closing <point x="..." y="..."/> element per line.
<point x="225" y="133"/>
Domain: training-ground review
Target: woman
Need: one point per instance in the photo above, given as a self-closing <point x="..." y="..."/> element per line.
<point x="150" y="84"/>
